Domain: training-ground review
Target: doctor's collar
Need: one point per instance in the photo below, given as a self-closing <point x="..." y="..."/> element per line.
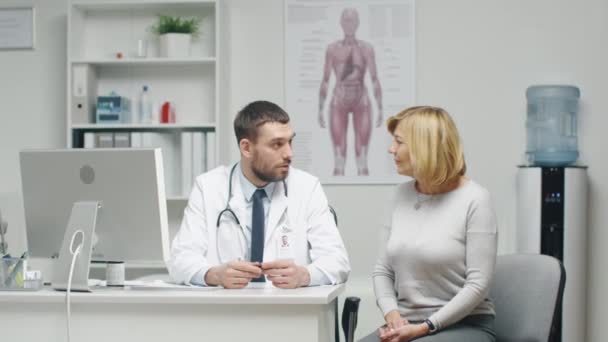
<point x="248" y="188"/>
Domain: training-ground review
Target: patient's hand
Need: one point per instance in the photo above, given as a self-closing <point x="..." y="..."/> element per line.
<point x="394" y="320"/>
<point x="388" y="334"/>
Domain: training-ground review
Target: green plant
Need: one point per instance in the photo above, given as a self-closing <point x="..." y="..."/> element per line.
<point x="177" y="24"/>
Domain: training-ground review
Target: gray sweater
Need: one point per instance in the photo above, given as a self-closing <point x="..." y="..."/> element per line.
<point x="437" y="255"/>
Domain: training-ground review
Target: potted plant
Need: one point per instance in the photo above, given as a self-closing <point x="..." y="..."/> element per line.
<point x="176" y="34"/>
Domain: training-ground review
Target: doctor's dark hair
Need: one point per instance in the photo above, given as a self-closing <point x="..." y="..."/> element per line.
<point x="255" y="115"/>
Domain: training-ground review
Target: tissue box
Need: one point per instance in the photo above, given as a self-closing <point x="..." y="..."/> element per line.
<point x="113" y="109"/>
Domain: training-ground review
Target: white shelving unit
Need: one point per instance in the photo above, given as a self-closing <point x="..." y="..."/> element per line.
<point x="148" y="61"/>
<point x="143" y="127"/>
<point x="103" y="37"/>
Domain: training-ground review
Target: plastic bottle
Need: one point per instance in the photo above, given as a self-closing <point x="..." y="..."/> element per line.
<point x="145" y="106"/>
<point x="552" y="124"/>
<point x="167" y="113"/>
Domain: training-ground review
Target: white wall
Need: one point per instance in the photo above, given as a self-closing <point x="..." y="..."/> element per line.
<point x="475" y="58"/>
<point x="33" y="101"/>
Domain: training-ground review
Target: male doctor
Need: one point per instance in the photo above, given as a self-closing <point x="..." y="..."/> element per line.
<point x="237" y="217"/>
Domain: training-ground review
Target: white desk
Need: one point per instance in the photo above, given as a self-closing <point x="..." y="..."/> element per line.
<point x="305" y="314"/>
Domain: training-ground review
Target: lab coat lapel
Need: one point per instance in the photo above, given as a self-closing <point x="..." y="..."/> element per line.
<point x="278" y="205"/>
<point x="238" y="203"/>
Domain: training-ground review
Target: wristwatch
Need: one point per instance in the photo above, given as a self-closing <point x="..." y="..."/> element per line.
<point x="432" y="327"/>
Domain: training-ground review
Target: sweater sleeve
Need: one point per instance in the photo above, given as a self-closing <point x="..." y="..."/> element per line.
<point x="383" y="274"/>
<point x="480" y="254"/>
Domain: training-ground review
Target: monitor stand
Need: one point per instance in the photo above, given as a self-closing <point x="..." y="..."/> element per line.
<point x="78" y="235"/>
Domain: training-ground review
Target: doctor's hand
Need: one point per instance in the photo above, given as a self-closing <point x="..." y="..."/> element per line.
<point x="286" y="274"/>
<point x="233" y="275"/>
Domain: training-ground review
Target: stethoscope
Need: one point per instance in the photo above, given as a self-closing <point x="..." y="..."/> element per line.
<point x="228" y="211"/>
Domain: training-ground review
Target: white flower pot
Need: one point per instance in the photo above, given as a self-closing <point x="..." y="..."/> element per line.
<point x="175" y="45"/>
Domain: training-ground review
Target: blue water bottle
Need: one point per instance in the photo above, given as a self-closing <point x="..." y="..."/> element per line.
<point x="552" y="125"/>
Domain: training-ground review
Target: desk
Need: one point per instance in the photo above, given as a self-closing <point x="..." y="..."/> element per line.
<point x="268" y="314"/>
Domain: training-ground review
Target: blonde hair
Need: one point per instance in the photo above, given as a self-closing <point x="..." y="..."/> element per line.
<point x="434" y="143"/>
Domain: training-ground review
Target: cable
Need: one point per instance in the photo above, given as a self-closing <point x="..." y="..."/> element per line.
<point x="75" y="253"/>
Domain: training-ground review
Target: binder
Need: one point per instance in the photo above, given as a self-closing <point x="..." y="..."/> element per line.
<point x="105" y="140"/>
<point x="122" y="139"/>
<point x="84" y="92"/>
<point x="198" y="154"/>
<point x="136" y="139"/>
<point x="170" y="152"/>
<point x="210" y="145"/>
<point x="186" y="152"/>
<point x="89" y="140"/>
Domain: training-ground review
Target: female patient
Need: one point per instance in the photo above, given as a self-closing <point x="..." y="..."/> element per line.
<point x="433" y="274"/>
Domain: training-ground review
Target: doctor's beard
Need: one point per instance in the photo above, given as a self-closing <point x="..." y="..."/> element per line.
<point x="273" y="175"/>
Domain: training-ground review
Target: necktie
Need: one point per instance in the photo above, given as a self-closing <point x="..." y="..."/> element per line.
<point x="257" y="229"/>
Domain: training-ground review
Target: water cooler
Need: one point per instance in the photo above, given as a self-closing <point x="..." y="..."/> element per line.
<point x="552" y="220"/>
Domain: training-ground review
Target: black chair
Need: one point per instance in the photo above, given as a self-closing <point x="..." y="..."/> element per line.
<point x="350" y="310"/>
<point x="349" y="318"/>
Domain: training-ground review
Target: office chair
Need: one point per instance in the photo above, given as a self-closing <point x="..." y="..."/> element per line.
<point x="527" y="291"/>
<point x="350" y="310"/>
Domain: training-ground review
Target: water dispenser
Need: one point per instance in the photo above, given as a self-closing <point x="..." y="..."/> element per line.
<point x="552" y="125"/>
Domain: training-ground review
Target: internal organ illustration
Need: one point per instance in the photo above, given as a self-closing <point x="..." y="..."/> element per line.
<point x="350" y="59"/>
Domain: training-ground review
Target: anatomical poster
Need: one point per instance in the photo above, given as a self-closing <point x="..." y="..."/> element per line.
<point x="349" y="65"/>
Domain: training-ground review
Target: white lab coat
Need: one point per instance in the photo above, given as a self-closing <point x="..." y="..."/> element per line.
<point x="303" y="215"/>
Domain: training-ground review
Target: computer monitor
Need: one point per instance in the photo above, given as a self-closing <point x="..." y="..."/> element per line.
<point x="131" y="224"/>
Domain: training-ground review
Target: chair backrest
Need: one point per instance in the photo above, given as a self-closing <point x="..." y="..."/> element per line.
<point x="527" y="291"/>
<point x="350" y="311"/>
